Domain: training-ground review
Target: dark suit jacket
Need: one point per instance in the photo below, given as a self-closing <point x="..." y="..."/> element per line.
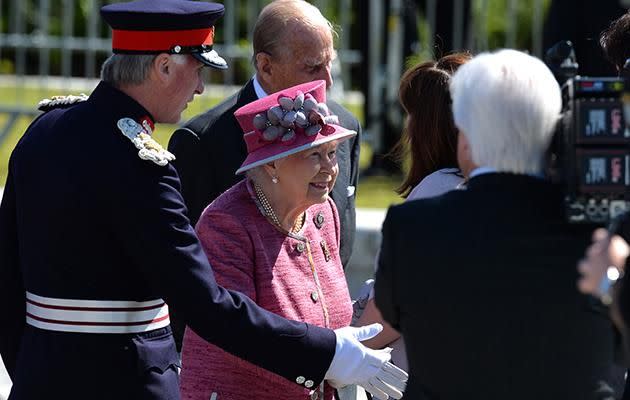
<point x="482" y="283"/>
<point x="83" y="217"/>
<point x="210" y="148"/>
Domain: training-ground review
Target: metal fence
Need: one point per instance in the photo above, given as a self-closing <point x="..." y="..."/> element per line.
<point x="29" y="32"/>
<point x="92" y="43"/>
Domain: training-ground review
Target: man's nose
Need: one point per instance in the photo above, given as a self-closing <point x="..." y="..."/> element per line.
<point x="200" y="86"/>
<point x="326" y="75"/>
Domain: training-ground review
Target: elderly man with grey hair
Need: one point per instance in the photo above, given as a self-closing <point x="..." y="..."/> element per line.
<point x="293" y="44"/>
<point x="481" y="282"/>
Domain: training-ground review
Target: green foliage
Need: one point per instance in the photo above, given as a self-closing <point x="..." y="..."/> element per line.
<point x="497" y="20"/>
<point x="6" y="66"/>
<point x="491" y="20"/>
<point x="378" y="191"/>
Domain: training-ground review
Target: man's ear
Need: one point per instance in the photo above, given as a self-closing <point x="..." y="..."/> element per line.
<point x="162" y="67"/>
<point x="264" y="65"/>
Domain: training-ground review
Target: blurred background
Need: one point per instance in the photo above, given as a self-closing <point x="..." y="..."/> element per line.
<point x="51" y="47"/>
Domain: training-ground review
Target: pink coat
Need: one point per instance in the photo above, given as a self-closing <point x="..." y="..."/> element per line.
<point x="298" y="276"/>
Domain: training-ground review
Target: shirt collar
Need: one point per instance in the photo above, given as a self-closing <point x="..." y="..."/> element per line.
<point x="489" y="170"/>
<point x="260" y="92"/>
<point x="481" y="170"/>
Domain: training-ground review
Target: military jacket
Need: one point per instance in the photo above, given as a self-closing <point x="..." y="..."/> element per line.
<point x="84" y="217"/>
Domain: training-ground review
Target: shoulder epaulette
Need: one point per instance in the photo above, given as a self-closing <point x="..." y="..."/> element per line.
<point x="60" y="102"/>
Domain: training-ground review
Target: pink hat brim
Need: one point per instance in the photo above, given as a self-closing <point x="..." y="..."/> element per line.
<point x="275" y="152"/>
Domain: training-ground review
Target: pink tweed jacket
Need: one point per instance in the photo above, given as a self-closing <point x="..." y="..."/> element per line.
<point x="298" y="276"/>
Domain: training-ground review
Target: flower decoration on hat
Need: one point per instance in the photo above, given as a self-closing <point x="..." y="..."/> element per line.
<point x="301" y="114"/>
<point x="287" y="122"/>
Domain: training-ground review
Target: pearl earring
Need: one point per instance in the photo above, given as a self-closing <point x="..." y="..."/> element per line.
<point x="274" y="179"/>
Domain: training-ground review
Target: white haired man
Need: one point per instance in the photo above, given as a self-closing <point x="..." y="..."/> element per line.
<point x="293" y="44"/>
<point x="481" y="281"/>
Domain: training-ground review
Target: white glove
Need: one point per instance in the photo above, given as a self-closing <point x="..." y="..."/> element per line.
<point x="354" y="363"/>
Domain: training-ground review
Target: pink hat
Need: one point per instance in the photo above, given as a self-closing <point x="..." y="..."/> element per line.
<point x="287" y="122"/>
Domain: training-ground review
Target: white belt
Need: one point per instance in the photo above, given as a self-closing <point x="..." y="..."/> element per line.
<point x="95" y="316"/>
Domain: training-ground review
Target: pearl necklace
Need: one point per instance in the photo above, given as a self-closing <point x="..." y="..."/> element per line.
<point x="271" y="214"/>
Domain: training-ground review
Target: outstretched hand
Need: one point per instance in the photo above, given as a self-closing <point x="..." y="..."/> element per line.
<point x="354" y="363"/>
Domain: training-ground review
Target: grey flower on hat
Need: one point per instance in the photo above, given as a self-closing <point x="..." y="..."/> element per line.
<point x="302" y="113"/>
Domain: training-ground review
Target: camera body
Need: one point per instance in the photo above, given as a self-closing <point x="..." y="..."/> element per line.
<point x="591" y="148"/>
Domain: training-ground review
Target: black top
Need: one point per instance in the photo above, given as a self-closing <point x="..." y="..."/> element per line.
<point x="482" y="283"/>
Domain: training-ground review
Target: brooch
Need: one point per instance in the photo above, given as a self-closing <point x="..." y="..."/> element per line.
<point x="148" y="148"/>
<point x="319" y="220"/>
<point x="60" y="101"/>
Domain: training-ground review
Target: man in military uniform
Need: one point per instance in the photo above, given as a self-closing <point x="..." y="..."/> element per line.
<point x="95" y="242"/>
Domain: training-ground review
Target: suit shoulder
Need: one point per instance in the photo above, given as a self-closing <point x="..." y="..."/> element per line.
<point x="48" y="123"/>
<point x="202" y="124"/>
<point x="431" y="206"/>
<point x="340" y="110"/>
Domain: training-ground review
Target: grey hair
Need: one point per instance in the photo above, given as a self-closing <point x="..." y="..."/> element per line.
<point x="276" y="20"/>
<point x="130" y="69"/>
<point x="257" y="175"/>
<point x="126" y="69"/>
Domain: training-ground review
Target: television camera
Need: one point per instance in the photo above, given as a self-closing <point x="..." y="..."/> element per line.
<point x="590" y="153"/>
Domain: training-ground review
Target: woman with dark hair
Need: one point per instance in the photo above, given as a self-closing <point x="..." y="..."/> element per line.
<point x="430" y="140"/>
<point x="430" y="135"/>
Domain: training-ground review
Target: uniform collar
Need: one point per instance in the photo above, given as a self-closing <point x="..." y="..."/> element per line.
<point x="119" y="104"/>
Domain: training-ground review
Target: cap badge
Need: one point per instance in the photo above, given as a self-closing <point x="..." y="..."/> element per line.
<point x="319" y="220"/>
<point x="214" y="58"/>
<point x="60" y="101"/>
<point x="148" y="148"/>
<point x="302" y="112"/>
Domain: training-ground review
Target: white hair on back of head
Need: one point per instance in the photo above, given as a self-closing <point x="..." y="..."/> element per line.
<point x="507" y="104"/>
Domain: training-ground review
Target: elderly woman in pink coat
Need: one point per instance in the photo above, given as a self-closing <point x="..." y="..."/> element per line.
<point x="275" y="237"/>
